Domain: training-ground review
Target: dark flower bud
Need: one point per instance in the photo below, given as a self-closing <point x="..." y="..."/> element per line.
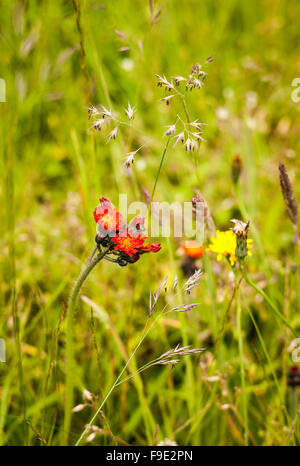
<point x="122" y="262"/>
<point x="236" y="168"/>
<point x="240" y="230"/>
<point x="99" y="240"/>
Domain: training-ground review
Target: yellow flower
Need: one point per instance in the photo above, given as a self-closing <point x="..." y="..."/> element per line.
<point x="224" y="245"/>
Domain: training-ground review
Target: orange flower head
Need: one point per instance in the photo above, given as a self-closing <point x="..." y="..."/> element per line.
<point x="192" y="249"/>
<point x="134" y="245"/>
<point x="129" y="244"/>
<point x="152" y="247"/>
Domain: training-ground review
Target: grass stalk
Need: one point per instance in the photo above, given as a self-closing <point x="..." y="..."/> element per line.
<point x="159" y="170"/>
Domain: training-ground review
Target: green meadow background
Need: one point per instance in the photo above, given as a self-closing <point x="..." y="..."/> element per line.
<point x="56" y="61"/>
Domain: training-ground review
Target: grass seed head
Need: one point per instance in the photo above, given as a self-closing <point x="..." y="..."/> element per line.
<point x="288" y="195"/>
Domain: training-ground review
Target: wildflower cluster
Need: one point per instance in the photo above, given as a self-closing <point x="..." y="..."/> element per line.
<point x="124" y="243"/>
<point x="190" y="133"/>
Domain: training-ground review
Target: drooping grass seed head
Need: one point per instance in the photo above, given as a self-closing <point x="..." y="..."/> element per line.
<point x="196" y="78"/>
<point x="171" y="130"/>
<point x="130" y="111"/>
<point x="179" y="137"/>
<point x="163" y="82"/>
<point x="129" y="159"/>
<point x="98" y="124"/>
<point x="178" y="80"/>
<point x="167" y="99"/>
<point x="113" y="134"/>
<point x="190" y="145"/>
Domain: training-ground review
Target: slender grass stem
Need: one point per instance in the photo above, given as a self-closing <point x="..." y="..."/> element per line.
<point x="159" y="170"/>
<point x="83" y="64"/>
<point x="267" y="299"/>
<point x="70" y="364"/>
<point x="145" y="333"/>
<point x="269" y="360"/>
<point x="242" y="366"/>
<point x="184" y="106"/>
<point x="223" y="323"/>
<point x="10" y="202"/>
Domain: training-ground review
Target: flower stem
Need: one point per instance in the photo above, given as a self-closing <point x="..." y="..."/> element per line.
<point x="242" y="366"/>
<point x="267" y="299"/>
<point x="93" y="253"/>
<point x="70" y="365"/>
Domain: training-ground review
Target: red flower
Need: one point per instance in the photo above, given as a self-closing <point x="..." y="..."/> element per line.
<point x="107" y="217"/>
<point x="134" y="245"/>
<point x="112" y="232"/>
<point x="152" y="247"/>
<point x="129" y="244"/>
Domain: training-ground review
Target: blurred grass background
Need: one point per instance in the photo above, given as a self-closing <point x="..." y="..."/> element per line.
<point x="54" y="171"/>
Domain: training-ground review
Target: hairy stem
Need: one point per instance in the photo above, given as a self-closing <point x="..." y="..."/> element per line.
<point x="70" y="365"/>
